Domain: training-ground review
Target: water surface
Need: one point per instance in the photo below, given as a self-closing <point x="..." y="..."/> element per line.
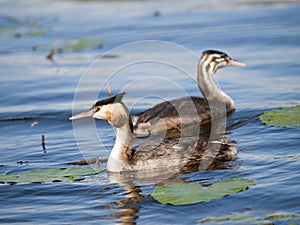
<point x="266" y="36"/>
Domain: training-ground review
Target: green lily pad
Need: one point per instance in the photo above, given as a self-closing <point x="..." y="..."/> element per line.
<point x="38" y="32"/>
<point x="80" y="44"/>
<point x="21" y="27"/>
<point x="49" y="175"/>
<point x="285" y="117"/>
<point x="182" y="193"/>
<point x="7" y="30"/>
<point x="29" y="22"/>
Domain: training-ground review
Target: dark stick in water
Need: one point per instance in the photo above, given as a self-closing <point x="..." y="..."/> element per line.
<point x="52" y="51"/>
<point x="43" y="142"/>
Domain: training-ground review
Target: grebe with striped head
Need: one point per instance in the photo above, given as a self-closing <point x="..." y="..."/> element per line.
<point x="170" y="152"/>
<point x="165" y="116"/>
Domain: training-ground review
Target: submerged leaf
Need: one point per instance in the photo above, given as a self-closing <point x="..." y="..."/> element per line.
<point x="39" y="32"/>
<point x="80" y="44"/>
<point x="21" y="27"/>
<point x="250" y="219"/>
<point x="282" y="217"/>
<point x="282" y="117"/>
<point x="7" y="30"/>
<point x="48" y="175"/>
<point x="182" y="193"/>
<point x="228" y="218"/>
<point x="29" y="22"/>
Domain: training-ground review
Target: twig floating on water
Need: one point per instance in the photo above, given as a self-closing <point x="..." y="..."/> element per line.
<point x="108" y="56"/>
<point x="16" y="119"/>
<point x="21" y="162"/>
<point x="87" y="162"/>
<point x="52" y="51"/>
<point x="43" y="143"/>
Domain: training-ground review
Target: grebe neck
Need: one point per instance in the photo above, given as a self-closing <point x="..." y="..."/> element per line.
<point x="207" y="85"/>
<point x="122" y="151"/>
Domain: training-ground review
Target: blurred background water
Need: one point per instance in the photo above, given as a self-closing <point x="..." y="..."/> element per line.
<point x="264" y="34"/>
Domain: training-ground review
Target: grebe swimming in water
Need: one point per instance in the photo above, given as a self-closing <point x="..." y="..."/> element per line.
<point x="168" y="153"/>
<point x="165" y="116"/>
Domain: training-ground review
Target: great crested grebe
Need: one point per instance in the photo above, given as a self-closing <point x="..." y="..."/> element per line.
<point x="165" y="116"/>
<point x="168" y="153"/>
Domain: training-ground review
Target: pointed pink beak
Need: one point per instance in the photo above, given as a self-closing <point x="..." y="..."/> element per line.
<point x="236" y="63"/>
<point x="87" y="114"/>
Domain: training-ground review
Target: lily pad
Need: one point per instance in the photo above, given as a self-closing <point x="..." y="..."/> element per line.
<point x="29" y="22"/>
<point x="7" y="30"/>
<point x="285" y="117"/>
<point x="37" y="32"/>
<point x="49" y="175"/>
<point x="183" y="193"/>
<point x="20" y="27"/>
<point x="80" y="44"/>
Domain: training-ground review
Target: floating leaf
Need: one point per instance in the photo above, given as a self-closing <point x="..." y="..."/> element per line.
<point x="39" y="32"/>
<point x="29" y="22"/>
<point x="282" y="117"/>
<point x="21" y="27"/>
<point x="183" y="193"/>
<point x="282" y="217"/>
<point x="80" y="44"/>
<point x="228" y="218"/>
<point x="7" y="30"/>
<point x="48" y="175"/>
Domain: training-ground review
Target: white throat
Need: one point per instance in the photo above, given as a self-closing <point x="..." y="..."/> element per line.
<point x="120" y="155"/>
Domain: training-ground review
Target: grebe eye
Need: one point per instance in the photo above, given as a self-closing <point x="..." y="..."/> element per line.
<point x="218" y="60"/>
<point x="97" y="109"/>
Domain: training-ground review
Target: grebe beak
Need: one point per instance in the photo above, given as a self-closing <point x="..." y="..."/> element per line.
<point x="236" y="63"/>
<point x="87" y="114"/>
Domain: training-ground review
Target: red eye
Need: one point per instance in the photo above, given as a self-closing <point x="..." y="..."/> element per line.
<point x="97" y="109"/>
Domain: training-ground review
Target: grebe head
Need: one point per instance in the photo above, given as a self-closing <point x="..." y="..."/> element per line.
<point x="213" y="60"/>
<point x="110" y="109"/>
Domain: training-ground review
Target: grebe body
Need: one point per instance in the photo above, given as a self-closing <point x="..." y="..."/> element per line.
<point x="170" y="152"/>
<point x="188" y="110"/>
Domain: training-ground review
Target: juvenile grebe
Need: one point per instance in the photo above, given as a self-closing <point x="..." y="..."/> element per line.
<point x="165" y="116"/>
<point x="168" y="153"/>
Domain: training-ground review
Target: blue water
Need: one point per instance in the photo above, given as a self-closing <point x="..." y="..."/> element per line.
<point x="33" y="89"/>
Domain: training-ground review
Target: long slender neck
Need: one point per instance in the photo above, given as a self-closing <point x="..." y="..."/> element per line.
<point x="122" y="150"/>
<point x="209" y="88"/>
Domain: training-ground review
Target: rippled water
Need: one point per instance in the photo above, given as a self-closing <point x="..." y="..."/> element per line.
<point x="265" y="35"/>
